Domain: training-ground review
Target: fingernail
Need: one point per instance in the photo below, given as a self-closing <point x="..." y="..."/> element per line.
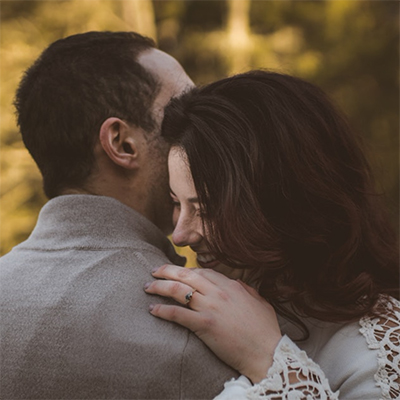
<point x="154" y="270"/>
<point x="146" y="285"/>
<point x="151" y="306"/>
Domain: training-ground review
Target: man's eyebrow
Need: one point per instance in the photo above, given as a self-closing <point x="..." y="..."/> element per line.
<point x="190" y="200"/>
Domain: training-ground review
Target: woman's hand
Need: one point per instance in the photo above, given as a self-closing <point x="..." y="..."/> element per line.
<point x="231" y="318"/>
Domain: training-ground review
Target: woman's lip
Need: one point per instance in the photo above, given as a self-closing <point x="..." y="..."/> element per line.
<point x="210" y="264"/>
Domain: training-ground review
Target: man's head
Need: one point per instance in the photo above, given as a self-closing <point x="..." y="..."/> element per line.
<point x="89" y="110"/>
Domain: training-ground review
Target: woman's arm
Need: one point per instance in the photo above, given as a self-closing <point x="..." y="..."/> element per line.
<point x="241" y="328"/>
<point x="231" y="318"/>
<point x="292" y="376"/>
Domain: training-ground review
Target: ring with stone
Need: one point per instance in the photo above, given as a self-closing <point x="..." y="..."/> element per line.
<point x="189" y="296"/>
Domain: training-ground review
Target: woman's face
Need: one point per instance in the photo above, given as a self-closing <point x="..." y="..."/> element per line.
<point x="187" y="221"/>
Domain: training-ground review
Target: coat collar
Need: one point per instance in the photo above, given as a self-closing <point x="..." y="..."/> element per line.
<point x="95" y="222"/>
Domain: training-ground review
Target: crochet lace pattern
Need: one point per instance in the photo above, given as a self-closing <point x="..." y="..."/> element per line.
<point x="383" y="334"/>
<point x="292" y="376"/>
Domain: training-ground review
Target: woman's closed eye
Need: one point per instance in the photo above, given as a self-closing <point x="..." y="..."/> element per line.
<point x="199" y="213"/>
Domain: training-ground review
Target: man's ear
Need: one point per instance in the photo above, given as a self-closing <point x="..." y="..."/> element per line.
<point x="118" y="141"/>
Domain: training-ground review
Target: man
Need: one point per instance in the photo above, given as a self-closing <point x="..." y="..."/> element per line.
<point x="75" y="321"/>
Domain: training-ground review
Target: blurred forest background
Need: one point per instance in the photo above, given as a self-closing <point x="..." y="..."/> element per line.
<point x="348" y="47"/>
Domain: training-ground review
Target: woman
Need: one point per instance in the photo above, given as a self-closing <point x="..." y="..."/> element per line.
<point x="271" y="188"/>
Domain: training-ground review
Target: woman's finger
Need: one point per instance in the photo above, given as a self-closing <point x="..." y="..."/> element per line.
<point x="183" y="316"/>
<point x="188" y="276"/>
<point x="178" y="291"/>
<point x="215" y="277"/>
<point x="199" y="278"/>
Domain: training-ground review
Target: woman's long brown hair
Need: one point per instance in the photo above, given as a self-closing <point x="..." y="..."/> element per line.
<point x="284" y="186"/>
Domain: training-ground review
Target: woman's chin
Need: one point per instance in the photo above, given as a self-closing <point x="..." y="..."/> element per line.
<point x="233" y="273"/>
<point x="250" y="276"/>
<point x="208" y="264"/>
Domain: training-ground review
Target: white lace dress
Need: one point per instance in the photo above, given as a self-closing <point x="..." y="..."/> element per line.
<point x="357" y="361"/>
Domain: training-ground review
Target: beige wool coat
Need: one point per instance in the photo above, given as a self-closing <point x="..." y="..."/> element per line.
<point x="74" y="316"/>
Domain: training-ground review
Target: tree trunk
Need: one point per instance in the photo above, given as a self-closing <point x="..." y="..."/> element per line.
<point x="238" y="35"/>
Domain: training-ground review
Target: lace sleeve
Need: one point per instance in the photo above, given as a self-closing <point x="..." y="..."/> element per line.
<point x="292" y="376"/>
<point x="383" y="334"/>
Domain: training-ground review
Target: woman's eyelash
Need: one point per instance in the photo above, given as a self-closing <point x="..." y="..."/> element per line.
<point x="197" y="211"/>
<point x="200" y="213"/>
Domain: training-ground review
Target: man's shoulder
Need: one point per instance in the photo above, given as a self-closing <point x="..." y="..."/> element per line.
<point x="49" y="274"/>
<point x="83" y="314"/>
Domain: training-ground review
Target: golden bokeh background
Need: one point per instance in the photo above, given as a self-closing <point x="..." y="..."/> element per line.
<point x="348" y="47"/>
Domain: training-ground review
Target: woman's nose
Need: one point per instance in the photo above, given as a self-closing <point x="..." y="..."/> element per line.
<point x="187" y="232"/>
